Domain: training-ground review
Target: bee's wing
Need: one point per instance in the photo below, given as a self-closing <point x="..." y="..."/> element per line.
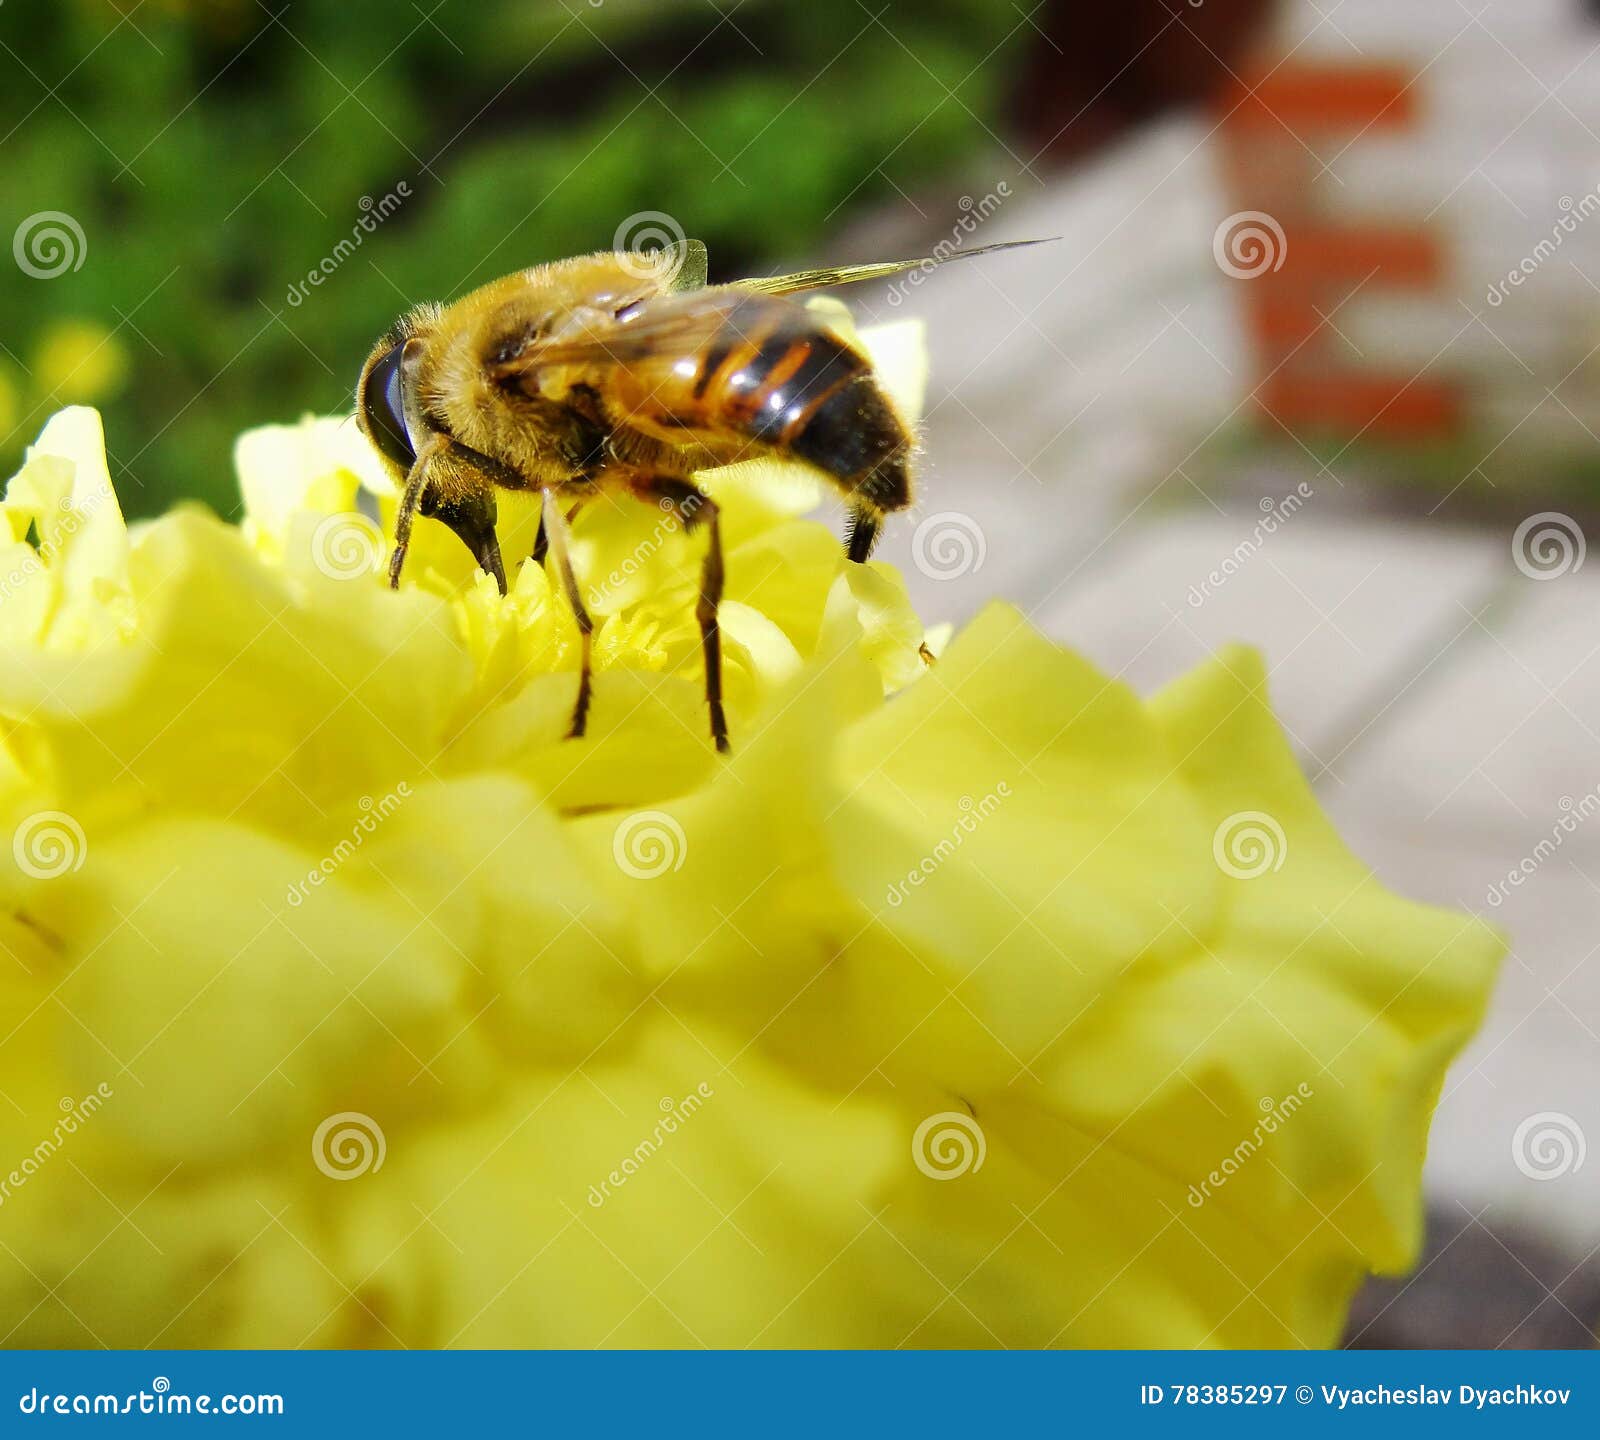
<point x="689" y="263"/>
<point x="830" y="275"/>
<point x="691" y="313"/>
<point x="660" y="329"/>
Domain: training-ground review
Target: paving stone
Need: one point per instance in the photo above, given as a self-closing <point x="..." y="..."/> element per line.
<point x="1342" y="609"/>
<point x="1503" y="739"/>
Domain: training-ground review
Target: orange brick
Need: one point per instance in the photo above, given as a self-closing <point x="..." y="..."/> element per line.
<point x="1321" y="98"/>
<point x="1380" y="405"/>
<point x="1280" y="320"/>
<point x="1318" y="253"/>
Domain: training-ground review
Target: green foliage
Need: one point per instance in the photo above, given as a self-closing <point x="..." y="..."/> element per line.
<point x="216" y="152"/>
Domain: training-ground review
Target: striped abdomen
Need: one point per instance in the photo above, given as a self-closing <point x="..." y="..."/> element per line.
<point x="765" y="376"/>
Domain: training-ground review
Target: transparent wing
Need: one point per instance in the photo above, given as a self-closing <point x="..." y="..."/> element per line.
<point x="658" y="330"/>
<point x="690" y="265"/>
<point x="829" y="275"/>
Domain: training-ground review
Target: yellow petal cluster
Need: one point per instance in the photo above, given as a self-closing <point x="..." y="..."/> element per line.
<point x="344" y="1002"/>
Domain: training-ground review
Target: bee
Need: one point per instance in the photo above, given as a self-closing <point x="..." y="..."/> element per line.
<point x="626" y="373"/>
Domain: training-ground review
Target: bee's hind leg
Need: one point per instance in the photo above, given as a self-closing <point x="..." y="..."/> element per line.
<point x="553" y="524"/>
<point x="694" y="508"/>
<point x="861" y="533"/>
<point x="705" y="611"/>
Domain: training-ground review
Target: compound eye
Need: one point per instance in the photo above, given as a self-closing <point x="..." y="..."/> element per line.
<point x="383" y="408"/>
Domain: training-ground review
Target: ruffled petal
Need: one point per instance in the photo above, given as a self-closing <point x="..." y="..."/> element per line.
<point x="970" y="1003"/>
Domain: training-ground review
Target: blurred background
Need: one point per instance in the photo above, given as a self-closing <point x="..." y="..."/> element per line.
<point x="1313" y="365"/>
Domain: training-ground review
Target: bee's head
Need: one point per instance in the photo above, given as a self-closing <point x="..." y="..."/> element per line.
<point x="380" y="393"/>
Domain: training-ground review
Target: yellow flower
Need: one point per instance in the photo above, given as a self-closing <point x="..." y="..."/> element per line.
<point x="347" y="1003"/>
<point x="79" y="361"/>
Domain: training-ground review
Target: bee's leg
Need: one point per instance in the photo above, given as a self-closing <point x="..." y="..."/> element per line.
<point x="471" y="513"/>
<point x="426" y="444"/>
<point x="410" y="501"/>
<point x="454" y="484"/>
<point x="541" y="541"/>
<point x="695" y="508"/>
<point x="554" y="525"/>
<point x="705" y="611"/>
<point x="862" y="532"/>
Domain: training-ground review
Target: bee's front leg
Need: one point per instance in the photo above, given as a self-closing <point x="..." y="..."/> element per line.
<point x="417" y="480"/>
<point x="454" y="484"/>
